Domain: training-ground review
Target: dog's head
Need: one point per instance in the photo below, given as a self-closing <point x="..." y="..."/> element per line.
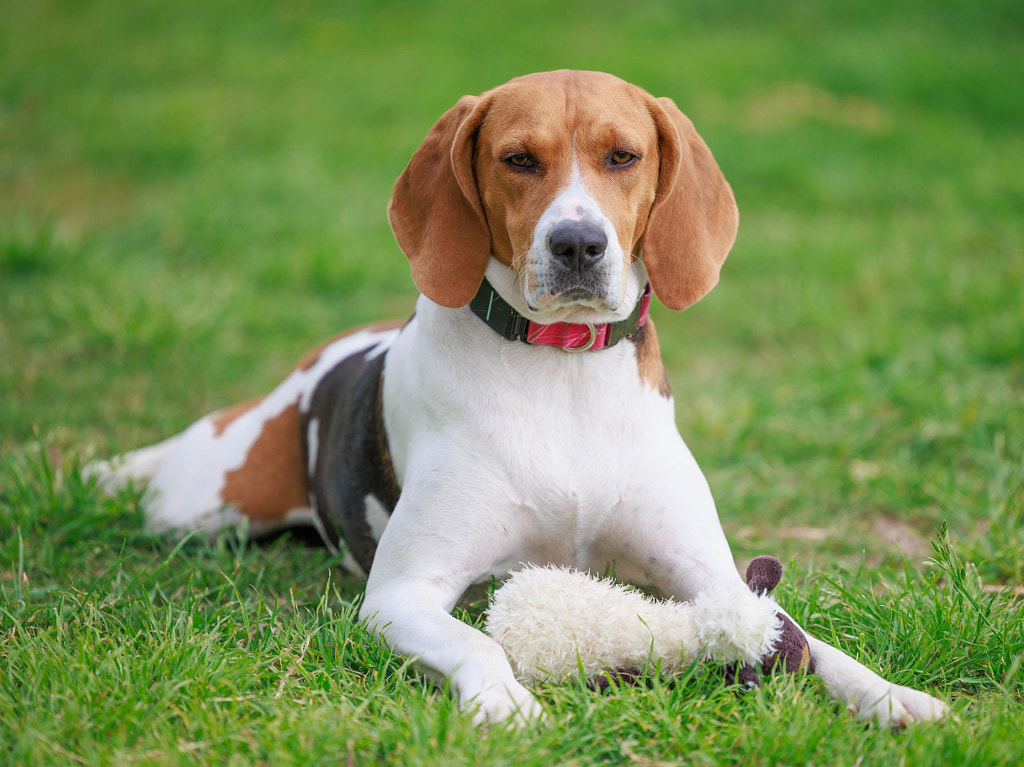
<point x="567" y="178"/>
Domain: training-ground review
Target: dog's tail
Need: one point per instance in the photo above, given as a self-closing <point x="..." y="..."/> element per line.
<point x="136" y="467"/>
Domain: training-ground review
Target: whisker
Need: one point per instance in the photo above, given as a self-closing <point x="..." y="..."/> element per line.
<point x="518" y="267"/>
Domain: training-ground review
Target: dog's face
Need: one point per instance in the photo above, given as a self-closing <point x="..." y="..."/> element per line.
<point x="567" y="176"/>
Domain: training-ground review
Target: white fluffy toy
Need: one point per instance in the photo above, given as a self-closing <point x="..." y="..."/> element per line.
<point x="554" y="622"/>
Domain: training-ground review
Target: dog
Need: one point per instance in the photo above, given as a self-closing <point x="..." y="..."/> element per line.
<point x="522" y="415"/>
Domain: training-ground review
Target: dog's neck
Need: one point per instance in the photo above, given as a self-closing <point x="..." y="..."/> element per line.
<point x="503" y="308"/>
<point x="503" y="319"/>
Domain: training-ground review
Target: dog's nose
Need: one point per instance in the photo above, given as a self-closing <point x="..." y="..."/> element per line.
<point x="577" y="244"/>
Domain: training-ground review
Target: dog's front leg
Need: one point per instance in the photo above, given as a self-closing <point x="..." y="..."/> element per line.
<point x="860" y="690"/>
<point x="419" y="572"/>
<point x="689" y="555"/>
<point x="866" y="694"/>
<point x="412" y="615"/>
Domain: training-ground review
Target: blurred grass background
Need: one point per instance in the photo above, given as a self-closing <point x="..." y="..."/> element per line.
<point x="193" y="193"/>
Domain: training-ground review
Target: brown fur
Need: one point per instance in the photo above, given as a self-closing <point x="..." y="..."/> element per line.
<point x="272" y="481"/>
<point x="648" y="359"/>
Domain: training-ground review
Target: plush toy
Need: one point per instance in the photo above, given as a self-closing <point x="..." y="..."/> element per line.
<point x="554" y="623"/>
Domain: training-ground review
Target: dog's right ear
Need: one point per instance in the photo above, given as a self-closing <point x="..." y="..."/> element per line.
<point x="436" y="213"/>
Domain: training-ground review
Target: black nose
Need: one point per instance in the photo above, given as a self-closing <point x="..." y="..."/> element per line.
<point x="578" y="244"/>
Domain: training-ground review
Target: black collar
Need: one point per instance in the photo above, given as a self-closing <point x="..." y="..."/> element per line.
<point x="499" y="315"/>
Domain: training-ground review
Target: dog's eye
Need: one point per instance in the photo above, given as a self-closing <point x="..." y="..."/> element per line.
<point x="623" y="157"/>
<point x="521" y="160"/>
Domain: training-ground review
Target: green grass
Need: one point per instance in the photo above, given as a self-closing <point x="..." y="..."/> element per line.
<point x="192" y="194"/>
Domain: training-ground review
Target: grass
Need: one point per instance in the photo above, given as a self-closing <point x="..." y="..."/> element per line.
<point x="192" y="194"/>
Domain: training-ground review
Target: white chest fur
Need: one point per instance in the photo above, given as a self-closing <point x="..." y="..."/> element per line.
<point x="556" y="443"/>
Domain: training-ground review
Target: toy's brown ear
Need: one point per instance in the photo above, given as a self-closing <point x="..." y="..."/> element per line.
<point x="435" y="209"/>
<point x="792" y="654"/>
<point x="763" y="574"/>
<point x="694" y="218"/>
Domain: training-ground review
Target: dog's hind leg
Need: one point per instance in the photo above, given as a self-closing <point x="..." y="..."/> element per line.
<point x="135" y="467"/>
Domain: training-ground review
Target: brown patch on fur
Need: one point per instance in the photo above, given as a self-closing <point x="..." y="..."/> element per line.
<point x="310" y="358"/>
<point x="272" y="481"/>
<point x="648" y="359"/>
<point x="222" y="419"/>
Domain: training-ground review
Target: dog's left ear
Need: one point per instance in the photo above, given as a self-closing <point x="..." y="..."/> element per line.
<point x="693" y="221"/>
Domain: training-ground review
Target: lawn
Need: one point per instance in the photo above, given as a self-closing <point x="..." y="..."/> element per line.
<point x="193" y="193"/>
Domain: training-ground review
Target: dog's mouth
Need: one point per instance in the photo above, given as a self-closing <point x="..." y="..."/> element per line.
<point x="573" y="304"/>
<point x="577" y="295"/>
<point x="559" y="294"/>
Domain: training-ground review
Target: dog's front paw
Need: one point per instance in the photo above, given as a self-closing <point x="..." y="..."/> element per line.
<point x="508" y="704"/>
<point x="899" y="706"/>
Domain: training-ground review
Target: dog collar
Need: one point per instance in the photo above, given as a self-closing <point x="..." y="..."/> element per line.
<point x="499" y="315"/>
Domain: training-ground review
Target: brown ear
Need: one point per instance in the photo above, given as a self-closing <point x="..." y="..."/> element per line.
<point x="694" y="218"/>
<point x="435" y="209"/>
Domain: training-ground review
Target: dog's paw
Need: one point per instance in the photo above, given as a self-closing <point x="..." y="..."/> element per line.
<point x="510" y="705"/>
<point x="899" y="706"/>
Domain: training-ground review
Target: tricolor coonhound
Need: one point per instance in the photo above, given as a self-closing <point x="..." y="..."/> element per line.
<point x="523" y="414"/>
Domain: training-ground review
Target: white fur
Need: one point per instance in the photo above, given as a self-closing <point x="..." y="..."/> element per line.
<point x="553" y="622"/>
<point x="137" y="466"/>
<point x="376" y="516"/>
<point x="312" y="444"/>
